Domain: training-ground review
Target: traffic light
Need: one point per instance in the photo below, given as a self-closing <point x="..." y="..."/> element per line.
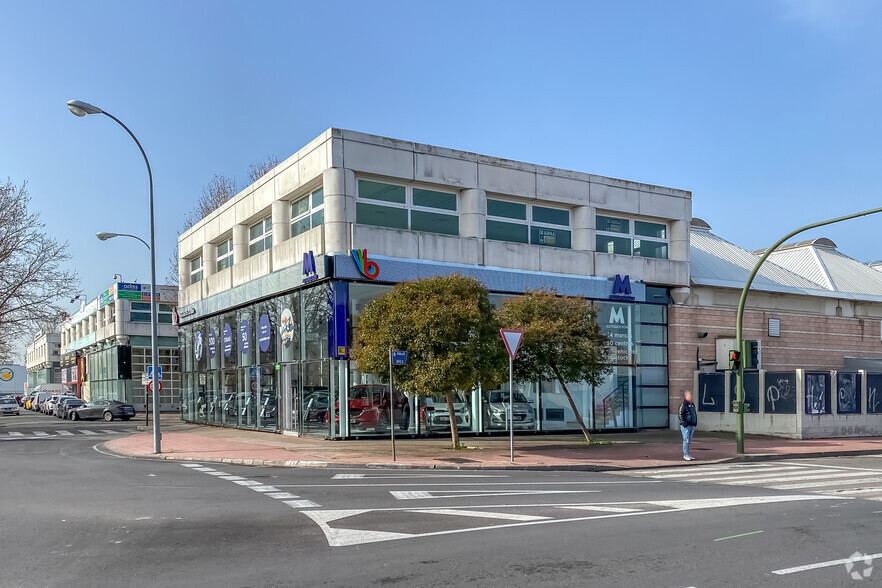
<point x="751" y="351"/>
<point x="734" y="360"/>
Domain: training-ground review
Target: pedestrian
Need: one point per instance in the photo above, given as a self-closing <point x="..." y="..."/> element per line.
<point x="688" y="421"/>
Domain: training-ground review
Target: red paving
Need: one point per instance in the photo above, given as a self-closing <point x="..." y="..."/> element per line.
<point x="625" y="450"/>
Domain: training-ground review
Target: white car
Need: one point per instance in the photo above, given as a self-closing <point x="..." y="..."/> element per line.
<point x="436" y="416"/>
<point x="523" y="415"/>
<point x="8" y="405"/>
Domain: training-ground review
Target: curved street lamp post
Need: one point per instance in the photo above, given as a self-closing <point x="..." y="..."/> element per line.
<point x="79" y="108"/>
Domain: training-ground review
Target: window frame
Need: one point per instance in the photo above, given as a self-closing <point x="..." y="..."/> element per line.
<point x="266" y="234"/>
<point x="221" y="260"/>
<point x="310" y="210"/>
<point x="408" y="204"/>
<point x="200" y="270"/>
<point x="632" y="235"/>
<point x="530" y="223"/>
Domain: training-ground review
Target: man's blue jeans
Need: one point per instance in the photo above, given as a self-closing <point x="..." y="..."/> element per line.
<point x="687" y="438"/>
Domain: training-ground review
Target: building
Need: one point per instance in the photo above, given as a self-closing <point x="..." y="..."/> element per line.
<point x="816" y="317"/>
<point x="13" y="379"/>
<point x="106" y="345"/>
<point x="273" y="281"/>
<point x="43" y="360"/>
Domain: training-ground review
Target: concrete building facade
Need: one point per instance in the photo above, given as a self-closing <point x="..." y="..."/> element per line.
<point x="43" y="360"/>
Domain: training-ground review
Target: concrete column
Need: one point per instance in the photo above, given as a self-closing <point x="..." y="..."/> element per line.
<point x="240" y="243"/>
<point x="281" y="211"/>
<point x="209" y="259"/>
<point x="339" y="187"/>
<point x="120" y="308"/>
<point x="473" y="213"/>
<point x="678" y="249"/>
<point x="584" y="228"/>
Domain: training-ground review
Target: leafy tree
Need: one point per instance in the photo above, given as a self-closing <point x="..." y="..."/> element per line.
<point x="447" y="325"/>
<point x="32" y="275"/>
<point x="562" y="341"/>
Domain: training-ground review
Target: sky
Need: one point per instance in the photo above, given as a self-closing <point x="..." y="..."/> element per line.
<point x="768" y="111"/>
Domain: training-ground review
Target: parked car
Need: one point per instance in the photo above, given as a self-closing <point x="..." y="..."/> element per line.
<point x="70" y="405"/>
<point x="315" y="405"/>
<point x="103" y="409"/>
<point x="435" y="415"/>
<point x="49" y="405"/>
<point x="523" y="414"/>
<point x="62" y="404"/>
<point x="39" y="399"/>
<point x="8" y="405"/>
<point x="369" y="408"/>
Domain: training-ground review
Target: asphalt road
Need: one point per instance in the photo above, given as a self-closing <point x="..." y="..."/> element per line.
<point x="76" y="517"/>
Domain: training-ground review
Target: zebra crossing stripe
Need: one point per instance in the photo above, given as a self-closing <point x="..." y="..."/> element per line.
<point x="191" y="465"/>
<point x="281" y="495"/>
<point x="41" y="434"/>
<point x="820" y="482"/>
<point x="728" y="472"/>
<point x="854" y="491"/>
<point x="64" y="432"/>
<point x="15" y="434"/>
<point x="787" y="479"/>
<point x="109" y="431"/>
<point x="264" y="488"/>
<point x="300" y="503"/>
<point x="87" y="432"/>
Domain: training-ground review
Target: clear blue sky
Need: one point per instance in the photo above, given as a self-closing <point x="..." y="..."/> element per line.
<point x="768" y="111"/>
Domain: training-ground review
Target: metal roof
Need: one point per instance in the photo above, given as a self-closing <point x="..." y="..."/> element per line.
<point x="844" y="273"/>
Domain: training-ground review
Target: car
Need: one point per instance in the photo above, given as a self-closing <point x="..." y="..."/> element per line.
<point x="435" y="416"/>
<point x="315" y="405"/>
<point x="49" y="405"/>
<point x="61" y="407"/>
<point x="8" y="405"/>
<point x="103" y="409"/>
<point x="369" y="408"/>
<point x="523" y="415"/>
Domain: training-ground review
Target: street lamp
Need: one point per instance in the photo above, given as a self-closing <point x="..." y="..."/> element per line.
<point x="106" y="236"/>
<point x="739" y="319"/>
<point x="80" y="108"/>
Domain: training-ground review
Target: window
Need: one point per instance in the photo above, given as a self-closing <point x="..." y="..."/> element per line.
<point x="623" y="236"/>
<point x="307" y="212"/>
<point x="141" y="313"/>
<point x="402" y="207"/>
<point x="225" y="255"/>
<point x="520" y="223"/>
<point x="196" y="270"/>
<point x="260" y="236"/>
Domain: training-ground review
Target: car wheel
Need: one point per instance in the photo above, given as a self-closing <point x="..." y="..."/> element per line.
<point x="74" y="416"/>
<point x="383" y="421"/>
<point x="108" y="416"/>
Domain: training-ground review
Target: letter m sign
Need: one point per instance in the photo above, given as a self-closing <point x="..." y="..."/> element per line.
<point x="622" y="286"/>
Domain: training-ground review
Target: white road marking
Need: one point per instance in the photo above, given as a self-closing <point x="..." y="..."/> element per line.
<point x="264" y="488"/>
<point x="41" y="434"/>
<point x="408" y="476"/>
<point x="481" y="514"/>
<point x="282" y="495"/>
<point x="300" y="503"/>
<point x="87" y="432"/>
<point x="698" y="473"/>
<point x="338" y="537"/>
<point x="420" y="495"/>
<point x="628" y="481"/>
<point x="203" y="469"/>
<point x="231" y="478"/>
<point x="855" y="491"/>
<point x="724" y="467"/>
<point x="16" y="434"/>
<point x="601" y="508"/>
<point x="217" y="473"/>
<point x="191" y="465"/>
<point x="247" y="482"/>
<point x="64" y="432"/>
<point x="808" y="475"/>
<point x="826" y="564"/>
<point x="823" y="483"/>
<point x="109" y="431"/>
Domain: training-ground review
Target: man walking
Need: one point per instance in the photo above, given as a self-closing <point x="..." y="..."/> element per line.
<point x="688" y="421"/>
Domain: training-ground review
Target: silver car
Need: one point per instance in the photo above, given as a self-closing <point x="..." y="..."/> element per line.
<point x="8" y="405"/>
<point x="436" y="416"/>
<point x="523" y="415"/>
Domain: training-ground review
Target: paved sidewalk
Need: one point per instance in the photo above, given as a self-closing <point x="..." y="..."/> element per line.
<point x="646" y="449"/>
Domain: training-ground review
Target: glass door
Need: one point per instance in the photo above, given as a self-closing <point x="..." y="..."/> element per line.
<point x="292" y="412"/>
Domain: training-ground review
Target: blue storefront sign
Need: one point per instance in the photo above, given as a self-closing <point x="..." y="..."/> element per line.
<point x="245" y="336"/>
<point x="228" y="340"/>
<point x="212" y="343"/>
<point x="338" y="311"/>
<point x="264" y="332"/>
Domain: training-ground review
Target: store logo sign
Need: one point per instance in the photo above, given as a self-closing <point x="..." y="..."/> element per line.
<point x="6" y="374"/>
<point x="622" y="289"/>
<point x="368" y="269"/>
<point x="309" y="272"/>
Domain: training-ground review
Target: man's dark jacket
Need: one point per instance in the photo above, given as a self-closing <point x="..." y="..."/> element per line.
<point x="688" y="416"/>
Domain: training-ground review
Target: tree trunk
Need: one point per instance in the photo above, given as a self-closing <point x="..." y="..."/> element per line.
<point x="572" y="405"/>
<point x="454" y="430"/>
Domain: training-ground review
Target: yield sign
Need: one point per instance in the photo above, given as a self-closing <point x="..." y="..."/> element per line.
<point x="512" y="339"/>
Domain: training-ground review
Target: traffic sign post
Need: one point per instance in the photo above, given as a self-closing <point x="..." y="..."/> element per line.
<point x="158" y="372"/>
<point x="512" y="339"/>
<point x="395" y="358"/>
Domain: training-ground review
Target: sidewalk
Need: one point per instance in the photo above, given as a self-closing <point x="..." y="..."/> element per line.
<point x="645" y="449"/>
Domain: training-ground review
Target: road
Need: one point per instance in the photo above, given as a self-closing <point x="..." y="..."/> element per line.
<point x="77" y="517"/>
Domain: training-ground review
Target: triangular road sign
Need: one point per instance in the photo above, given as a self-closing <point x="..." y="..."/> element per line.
<point x="512" y="339"/>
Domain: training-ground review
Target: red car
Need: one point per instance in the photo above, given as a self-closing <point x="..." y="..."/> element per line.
<point x="369" y="408"/>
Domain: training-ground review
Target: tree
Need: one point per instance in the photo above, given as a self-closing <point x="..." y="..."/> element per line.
<point x="562" y="341"/>
<point x="32" y="276"/>
<point x="448" y="327"/>
<point x="258" y="169"/>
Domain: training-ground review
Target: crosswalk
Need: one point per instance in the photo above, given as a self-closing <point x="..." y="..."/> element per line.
<point x="829" y="480"/>
<point x="291" y="500"/>
<point x="62" y="433"/>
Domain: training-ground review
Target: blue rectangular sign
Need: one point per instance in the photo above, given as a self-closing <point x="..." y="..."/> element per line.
<point x="338" y="314"/>
<point x="150" y="372"/>
<point x="399" y="357"/>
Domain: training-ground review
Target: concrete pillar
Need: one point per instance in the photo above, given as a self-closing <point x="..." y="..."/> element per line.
<point x="584" y="228"/>
<point x="281" y="211"/>
<point x="339" y="187"/>
<point x="120" y="309"/>
<point x="240" y="243"/>
<point x="678" y="249"/>
<point x="209" y="259"/>
<point x="473" y="213"/>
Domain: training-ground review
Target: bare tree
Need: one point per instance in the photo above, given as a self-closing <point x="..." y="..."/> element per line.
<point x="258" y="169"/>
<point x="32" y="276"/>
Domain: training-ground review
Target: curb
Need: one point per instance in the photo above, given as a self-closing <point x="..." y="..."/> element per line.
<point x="497" y="467"/>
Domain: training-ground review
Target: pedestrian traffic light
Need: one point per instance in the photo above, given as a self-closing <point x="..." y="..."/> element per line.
<point x="734" y="360"/>
<point x="751" y="350"/>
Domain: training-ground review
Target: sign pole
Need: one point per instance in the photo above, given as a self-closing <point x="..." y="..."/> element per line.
<point x="391" y="406"/>
<point x="510" y="410"/>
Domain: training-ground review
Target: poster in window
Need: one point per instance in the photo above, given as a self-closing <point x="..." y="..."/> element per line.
<point x="711" y="392"/>
<point x="751" y="391"/>
<point x="848" y="393"/>
<point x="817" y="393"/>
<point x="780" y="392"/>
<point x="874" y="393"/>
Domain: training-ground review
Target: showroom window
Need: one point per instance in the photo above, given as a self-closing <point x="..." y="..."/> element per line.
<point x="196" y="270"/>
<point x="260" y="236"/>
<point x="225" y="255"/>
<point x="624" y="236"/>
<point x="404" y="207"/>
<point x="307" y="212"/>
<point x="533" y="224"/>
